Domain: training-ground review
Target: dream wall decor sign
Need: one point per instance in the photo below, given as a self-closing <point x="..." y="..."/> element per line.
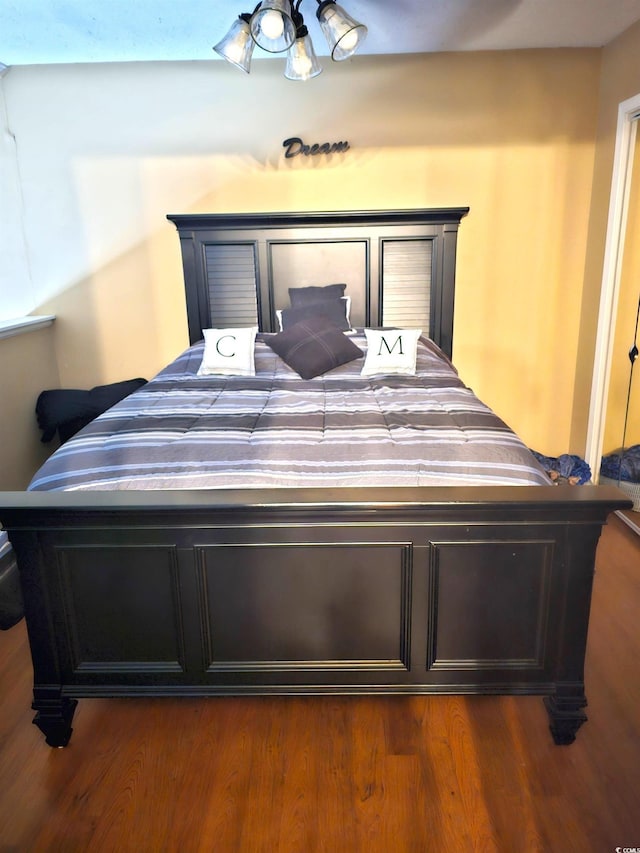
<point x="295" y="146"/>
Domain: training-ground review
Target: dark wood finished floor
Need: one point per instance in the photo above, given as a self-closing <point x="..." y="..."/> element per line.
<point x="338" y="774"/>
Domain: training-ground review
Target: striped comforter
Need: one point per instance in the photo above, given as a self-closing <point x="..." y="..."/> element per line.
<point x="182" y="431"/>
<point x="5" y="547"/>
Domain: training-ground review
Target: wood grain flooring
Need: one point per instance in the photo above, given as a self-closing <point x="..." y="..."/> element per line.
<point x="341" y="775"/>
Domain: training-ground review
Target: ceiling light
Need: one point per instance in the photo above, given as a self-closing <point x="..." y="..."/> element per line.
<point x="277" y="26"/>
<point x="302" y="62"/>
<point x="272" y="26"/>
<point x="344" y="34"/>
<point x="237" y="46"/>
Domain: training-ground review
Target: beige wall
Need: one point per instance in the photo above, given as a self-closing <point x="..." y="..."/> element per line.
<point x="27" y="366"/>
<point x="620" y="81"/>
<point x="103" y="152"/>
<point x="106" y="151"/>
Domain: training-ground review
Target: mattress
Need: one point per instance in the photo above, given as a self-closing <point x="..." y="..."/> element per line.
<point x="184" y="431"/>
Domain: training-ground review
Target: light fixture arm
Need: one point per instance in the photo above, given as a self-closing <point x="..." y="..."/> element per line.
<point x="298" y="20"/>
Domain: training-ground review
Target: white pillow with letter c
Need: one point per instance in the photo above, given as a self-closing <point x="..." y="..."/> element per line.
<point x="229" y="352"/>
<point x="391" y="351"/>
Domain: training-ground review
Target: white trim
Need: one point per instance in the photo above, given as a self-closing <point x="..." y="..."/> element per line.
<point x="18" y="325"/>
<point x="630" y="522"/>
<point x="614" y="248"/>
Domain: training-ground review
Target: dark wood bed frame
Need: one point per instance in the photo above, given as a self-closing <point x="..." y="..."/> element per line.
<point x="477" y="590"/>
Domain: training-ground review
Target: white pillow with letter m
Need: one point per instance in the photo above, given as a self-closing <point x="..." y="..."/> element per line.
<point x="391" y="351"/>
<point x="229" y="352"/>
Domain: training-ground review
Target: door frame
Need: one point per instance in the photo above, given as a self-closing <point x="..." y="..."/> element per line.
<point x="628" y="114"/>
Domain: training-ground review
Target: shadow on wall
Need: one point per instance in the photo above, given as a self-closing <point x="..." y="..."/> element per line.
<point x="27" y="363"/>
<point x="442" y="99"/>
<point x="108" y="326"/>
<point x="118" y="166"/>
<point x="463" y="99"/>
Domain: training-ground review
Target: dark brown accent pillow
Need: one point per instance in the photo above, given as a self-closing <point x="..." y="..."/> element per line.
<point x="334" y="312"/>
<point x="311" y="347"/>
<point x="307" y="295"/>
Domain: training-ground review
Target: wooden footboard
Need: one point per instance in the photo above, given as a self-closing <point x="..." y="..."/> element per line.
<point x="442" y="590"/>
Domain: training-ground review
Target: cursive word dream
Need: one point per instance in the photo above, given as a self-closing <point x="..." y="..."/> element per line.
<point x="294" y="146"/>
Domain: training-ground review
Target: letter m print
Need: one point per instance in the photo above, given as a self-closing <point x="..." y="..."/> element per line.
<point x="384" y="345"/>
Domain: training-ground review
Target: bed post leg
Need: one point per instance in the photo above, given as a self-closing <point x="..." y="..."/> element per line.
<point x="53" y="718"/>
<point x="566" y="716"/>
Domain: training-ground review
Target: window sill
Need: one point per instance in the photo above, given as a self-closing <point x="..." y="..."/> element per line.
<point x="20" y="325"/>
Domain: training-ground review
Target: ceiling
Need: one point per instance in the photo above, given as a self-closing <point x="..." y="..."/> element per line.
<point x="68" y="31"/>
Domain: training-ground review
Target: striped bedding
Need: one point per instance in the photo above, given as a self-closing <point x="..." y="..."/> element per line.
<point x="5" y="548"/>
<point x="182" y="431"/>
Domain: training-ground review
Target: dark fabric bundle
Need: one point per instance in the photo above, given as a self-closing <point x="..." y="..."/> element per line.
<point x="565" y="468"/>
<point x="622" y="465"/>
<point x="68" y="410"/>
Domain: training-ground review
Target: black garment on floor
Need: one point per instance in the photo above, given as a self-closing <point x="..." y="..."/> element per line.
<point x="68" y="410"/>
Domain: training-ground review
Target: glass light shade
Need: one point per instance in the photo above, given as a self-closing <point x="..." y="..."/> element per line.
<point x="272" y="26"/>
<point x="237" y="46"/>
<point x="302" y="62"/>
<point x="343" y="33"/>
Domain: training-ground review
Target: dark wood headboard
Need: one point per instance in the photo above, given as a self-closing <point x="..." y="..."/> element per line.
<point x="399" y="266"/>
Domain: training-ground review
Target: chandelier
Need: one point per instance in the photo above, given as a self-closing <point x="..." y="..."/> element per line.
<point x="277" y="26"/>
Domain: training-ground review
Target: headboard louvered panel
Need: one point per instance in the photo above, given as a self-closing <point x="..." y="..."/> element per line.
<point x="231" y="285"/>
<point x="406" y="276"/>
<point x="399" y="266"/>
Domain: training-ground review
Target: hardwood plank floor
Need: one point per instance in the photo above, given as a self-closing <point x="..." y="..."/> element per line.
<point x="340" y="775"/>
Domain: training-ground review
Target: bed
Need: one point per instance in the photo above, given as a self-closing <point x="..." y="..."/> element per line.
<point x="216" y="551"/>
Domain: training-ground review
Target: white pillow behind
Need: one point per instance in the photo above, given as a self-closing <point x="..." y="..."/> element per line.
<point x="391" y="351"/>
<point x="229" y="352"/>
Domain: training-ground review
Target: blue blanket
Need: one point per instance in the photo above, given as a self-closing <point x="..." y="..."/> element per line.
<point x="622" y="465"/>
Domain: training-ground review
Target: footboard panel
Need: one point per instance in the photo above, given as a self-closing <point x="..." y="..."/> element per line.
<point x="410" y="604"/>
<point x="401" y="591"/>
